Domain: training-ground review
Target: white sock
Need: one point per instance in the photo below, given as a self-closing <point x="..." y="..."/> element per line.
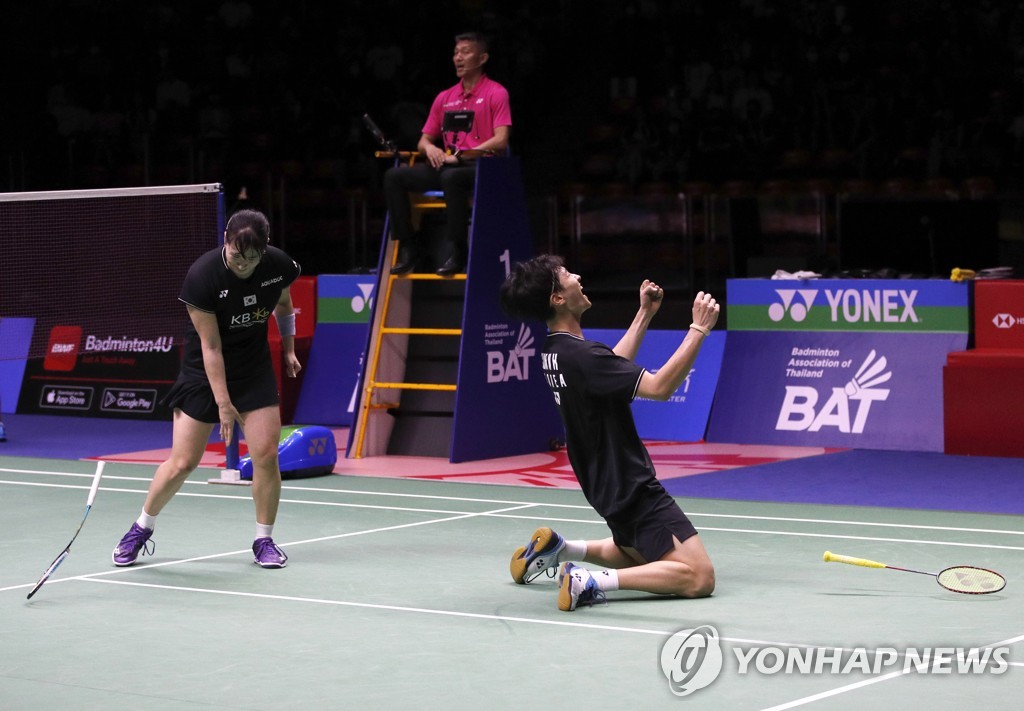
<point x="574" y="550"/>
<point x="146" y="521"/>
<point x="606" y="579"/>
<point x="264" y="530"/>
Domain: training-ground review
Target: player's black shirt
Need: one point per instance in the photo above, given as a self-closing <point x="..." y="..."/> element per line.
<point x="242" y="307"/>
<point x="593" y="389"/>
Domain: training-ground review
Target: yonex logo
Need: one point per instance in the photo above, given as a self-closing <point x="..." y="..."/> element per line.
<point x="1004" y="320"/>
<point x="691" y="659"/>
<point x="797" y="311"/>
<point x="848" y="305"/>
<point x="514" y="366"/>
<point x="317" y="445"/>
<point x="364" y="299"/>
<point x="224" y="294"/>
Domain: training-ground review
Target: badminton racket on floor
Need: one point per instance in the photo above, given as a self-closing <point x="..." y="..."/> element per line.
<point x="67" y="549"/>
<point x="959" y="578"/>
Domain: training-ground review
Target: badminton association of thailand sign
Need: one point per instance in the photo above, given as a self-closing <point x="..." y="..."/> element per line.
<point x="691" y="659"/>
<point x="838" y="363"/>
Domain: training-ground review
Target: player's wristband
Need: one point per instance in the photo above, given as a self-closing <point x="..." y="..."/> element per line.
<point x="286" y="324"/>
<point x="701" y="329"/>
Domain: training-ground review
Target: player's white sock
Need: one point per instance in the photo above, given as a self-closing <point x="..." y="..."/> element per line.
<point x="574" y="550"/>
<point x="263" y="530"/>
<point x="146" y="521"/>
<point x="606" y="579"/>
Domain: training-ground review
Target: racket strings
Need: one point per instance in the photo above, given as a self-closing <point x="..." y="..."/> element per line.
<point x="968" y="579"/>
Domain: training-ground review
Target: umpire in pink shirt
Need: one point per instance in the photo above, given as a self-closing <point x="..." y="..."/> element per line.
<point x="442" y="165"/>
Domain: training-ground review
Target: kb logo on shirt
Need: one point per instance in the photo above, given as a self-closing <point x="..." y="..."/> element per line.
<point x="250" y="319"/>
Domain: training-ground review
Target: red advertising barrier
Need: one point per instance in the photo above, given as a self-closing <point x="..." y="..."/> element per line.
<point x="983" y="410"/>
<point x="999" y="314"/>
<point x="303" y="292"/>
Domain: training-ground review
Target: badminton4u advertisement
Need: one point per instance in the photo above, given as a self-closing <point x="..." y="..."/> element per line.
<point x="100" y="374"/>
<point x="838" y="363"/>
<point x="106" y="324"/>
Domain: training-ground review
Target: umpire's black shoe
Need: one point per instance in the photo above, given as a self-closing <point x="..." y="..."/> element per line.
<point x="455" y="264"/>
<point x="407" y="262"/>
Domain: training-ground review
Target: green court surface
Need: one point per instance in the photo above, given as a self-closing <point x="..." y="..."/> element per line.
<point x="397" y="595"/>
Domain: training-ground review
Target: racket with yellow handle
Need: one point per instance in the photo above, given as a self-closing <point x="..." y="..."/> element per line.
<point x="967" y="579"/>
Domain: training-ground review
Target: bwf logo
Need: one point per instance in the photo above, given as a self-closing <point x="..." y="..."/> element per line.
<point x="515" y="365"/>
<point x="799" y="410"/>
<point x="62" y="352"/>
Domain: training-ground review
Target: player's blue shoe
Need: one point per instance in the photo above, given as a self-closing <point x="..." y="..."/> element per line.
<point x="577" y="587"/>
<point x="540" y="554"/>
<point x="134" y="542"/>
<point x="267" y="554"/>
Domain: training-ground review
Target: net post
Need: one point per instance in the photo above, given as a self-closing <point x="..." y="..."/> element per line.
<point x="231" y="473"/>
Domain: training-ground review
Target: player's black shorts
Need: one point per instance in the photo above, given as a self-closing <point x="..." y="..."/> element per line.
<point x="650" y="526"/>
<point x="195" y="398"/>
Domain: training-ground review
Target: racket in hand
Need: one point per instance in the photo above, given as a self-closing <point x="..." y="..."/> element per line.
<point x="67" y="549"/>
<point x="958" y="578"/>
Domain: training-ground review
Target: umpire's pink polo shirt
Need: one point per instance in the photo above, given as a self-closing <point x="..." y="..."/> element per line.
<point x="489" y="103"/>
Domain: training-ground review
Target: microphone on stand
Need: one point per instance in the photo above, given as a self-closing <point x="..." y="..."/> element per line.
<point x="378" y="134"/>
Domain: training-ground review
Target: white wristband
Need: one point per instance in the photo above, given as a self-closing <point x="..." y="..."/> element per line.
<point x="701" y="329"/>
<point x="285" y="324"/>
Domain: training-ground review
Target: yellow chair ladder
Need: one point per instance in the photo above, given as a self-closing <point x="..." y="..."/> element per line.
<point x="368" y="406"/>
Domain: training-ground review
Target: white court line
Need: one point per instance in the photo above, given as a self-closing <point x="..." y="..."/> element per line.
<point x="835" y="692"/>
<point x="531" y="620"/>
<point x="867" y="682"/>
<point x="393" y="608"/>
<point x="507" y="502"/>
<point x="100" y="578"/>
<point x="434" y="611"/>
<point x="865" y="538"/>
<point x="523" y="505"/>
<point x="498" y="513"/>
<point x="128" y="569"/>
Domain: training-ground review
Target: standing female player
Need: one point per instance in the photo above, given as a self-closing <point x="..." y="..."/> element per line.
<point x="226" y="376"/>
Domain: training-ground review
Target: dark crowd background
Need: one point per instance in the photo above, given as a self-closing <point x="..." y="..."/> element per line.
<point x="269" y="96"/>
